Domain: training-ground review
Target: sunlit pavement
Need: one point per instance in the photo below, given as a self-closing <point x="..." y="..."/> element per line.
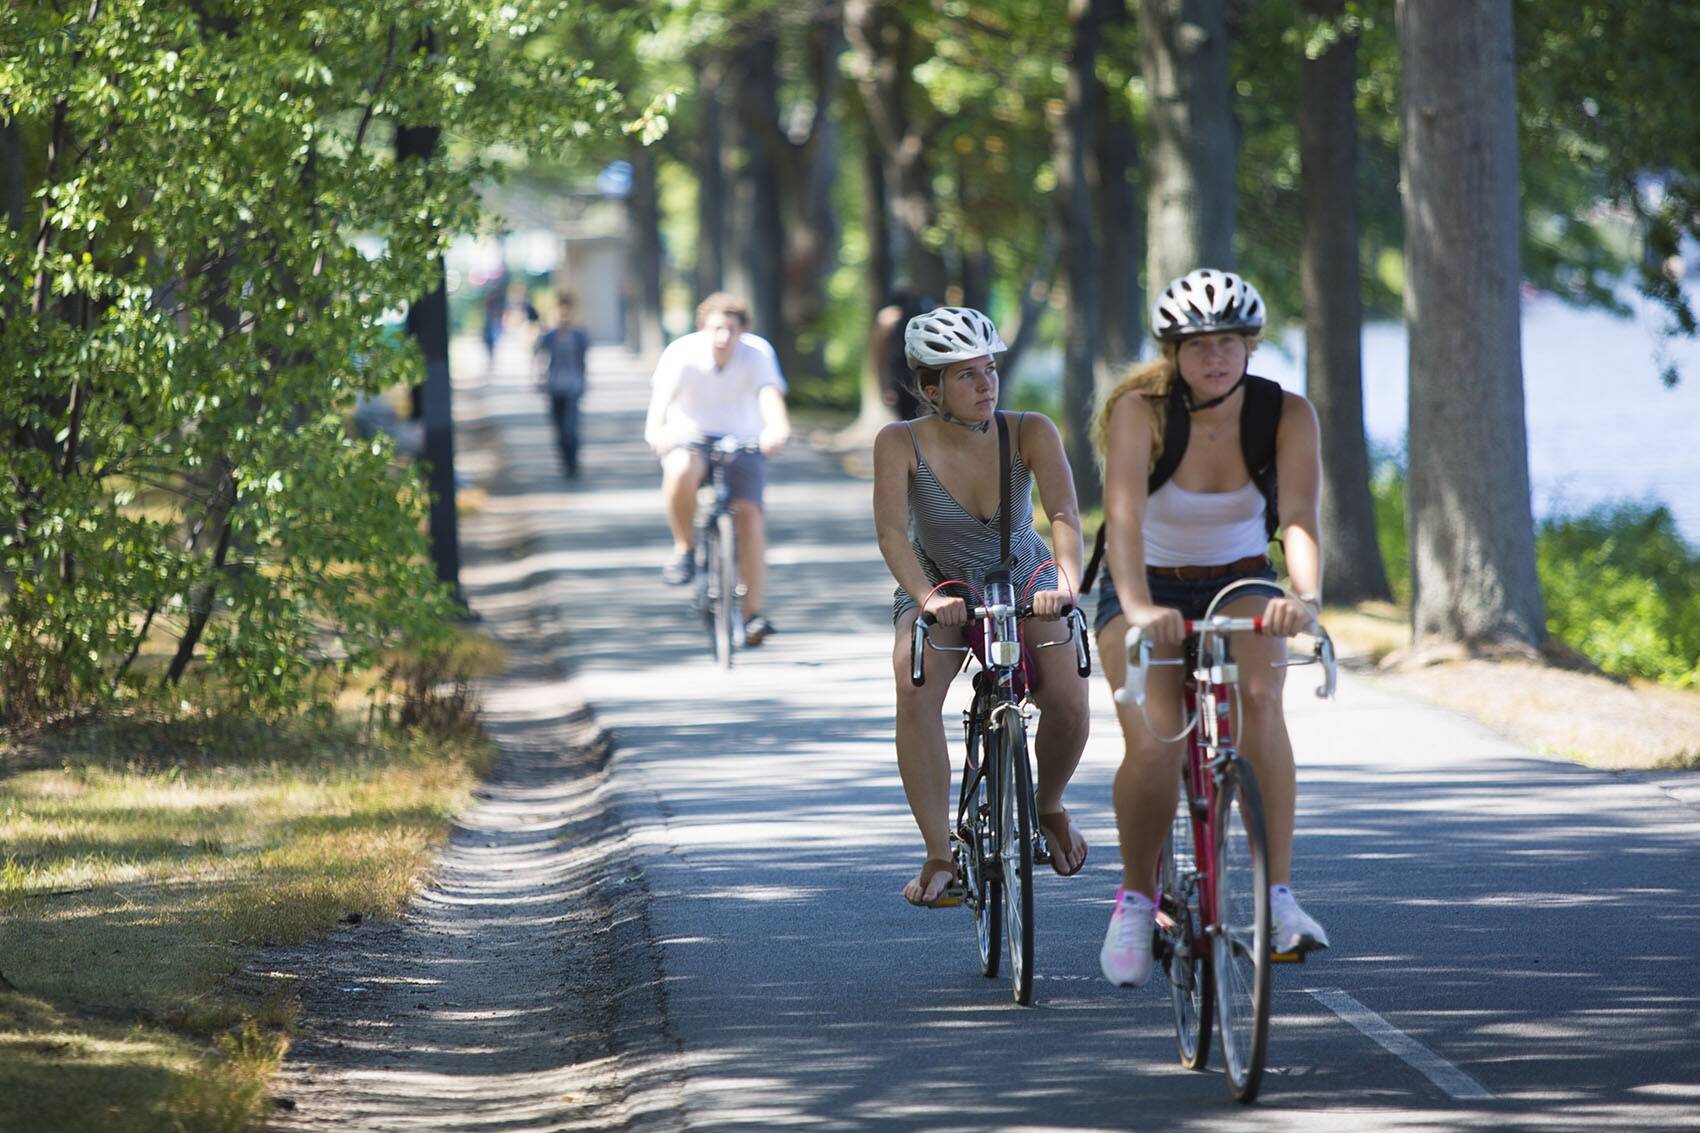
<point x="1520" y="933"/>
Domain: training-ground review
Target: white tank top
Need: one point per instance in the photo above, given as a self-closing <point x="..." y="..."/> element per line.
<point x="1185" y="528"/>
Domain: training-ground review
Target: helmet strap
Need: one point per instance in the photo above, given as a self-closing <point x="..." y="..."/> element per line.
<point x="938" y="410"/>
<point x="1200" y="406"/>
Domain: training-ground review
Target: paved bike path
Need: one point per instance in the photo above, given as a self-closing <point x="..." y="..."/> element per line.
<point x="1530" y="925"/>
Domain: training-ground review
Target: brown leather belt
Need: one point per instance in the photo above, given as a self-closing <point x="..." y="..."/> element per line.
<point x="1248" y="565"/>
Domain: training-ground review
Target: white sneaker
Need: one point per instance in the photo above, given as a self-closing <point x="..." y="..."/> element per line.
<point x="1126" y="955"/>
<point x="1292" y="929"/>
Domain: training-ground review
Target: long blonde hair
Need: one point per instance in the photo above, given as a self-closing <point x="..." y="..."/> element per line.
<point x="1152" y="379"/>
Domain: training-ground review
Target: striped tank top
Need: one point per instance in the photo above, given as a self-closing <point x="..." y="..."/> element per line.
<point x="951" y="542"/>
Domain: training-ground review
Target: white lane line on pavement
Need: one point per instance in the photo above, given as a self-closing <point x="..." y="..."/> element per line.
<point x="1458" y="1085"/>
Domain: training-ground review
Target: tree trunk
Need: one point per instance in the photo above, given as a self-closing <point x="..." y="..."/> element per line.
<point x="807" y="160"/>
<point x="1076" y="180"/>
<point x="1121" y="220"/>
<point x="876" y="221"/>
<point x="1328" y="267"/>
<point x="428" y="322"/>
<point x="1184" y="56"/>
<point x="883" y="41"/>
<point x="762" y="225"/>
<point x="711" y="181"/>
<point x="643" y="220"/>
<point x="879" y="282"/>
<point x="12" y="175"/>
<point x="203" y="598"/>
<point x="1035" y="295"/>
<point x="1472" y="532"/>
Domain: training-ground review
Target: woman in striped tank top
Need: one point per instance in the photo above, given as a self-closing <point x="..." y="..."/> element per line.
<point x="936" y="506"/>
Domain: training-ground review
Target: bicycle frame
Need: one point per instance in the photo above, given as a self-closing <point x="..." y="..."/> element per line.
<point x="992" y="812"/>
<point x="719" y="453"/>
<point x="1208" y="703"/>
<point x="1220" y="793"/>
<point x="716" y="548"/>
<point x="1207" y="697"/>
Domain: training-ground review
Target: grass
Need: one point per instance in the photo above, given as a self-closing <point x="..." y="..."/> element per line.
<point x="143" y="863"/>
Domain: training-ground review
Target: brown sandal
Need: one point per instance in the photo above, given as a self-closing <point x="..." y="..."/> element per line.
<point x="949" y="896"/>
<point x="1057" y="828"/>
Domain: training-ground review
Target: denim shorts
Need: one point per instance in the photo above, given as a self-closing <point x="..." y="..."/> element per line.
<point x="1190" y="596"/>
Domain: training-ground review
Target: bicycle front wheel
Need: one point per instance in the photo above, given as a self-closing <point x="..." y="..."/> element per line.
<point x="723" y="565"/>
<point x="979" y="857"/>
<point x="1015" y="851"/>
<point x="1185" y="961"/>
<point x="1239" y="949"/>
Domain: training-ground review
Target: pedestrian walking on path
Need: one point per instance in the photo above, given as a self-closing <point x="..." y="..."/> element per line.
<point x="561" y="352"/>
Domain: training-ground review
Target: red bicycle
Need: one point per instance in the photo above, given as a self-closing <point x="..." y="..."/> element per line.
<point x="1212" y="926"/>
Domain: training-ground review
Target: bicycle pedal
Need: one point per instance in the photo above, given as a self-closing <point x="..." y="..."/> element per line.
<point x="1287" y="957"/>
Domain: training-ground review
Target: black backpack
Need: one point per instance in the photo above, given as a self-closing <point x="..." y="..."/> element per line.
<point x="1260" y="419"/>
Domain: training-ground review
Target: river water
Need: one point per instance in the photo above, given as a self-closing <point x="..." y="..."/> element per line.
<point x="1602" y="427"/>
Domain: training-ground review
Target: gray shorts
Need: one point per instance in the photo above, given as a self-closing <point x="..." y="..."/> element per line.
<point x="746" y="475"/>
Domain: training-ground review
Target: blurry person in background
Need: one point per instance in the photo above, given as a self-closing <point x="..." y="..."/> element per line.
<point x="561" y="353"/>
<point x="885" y="349"/>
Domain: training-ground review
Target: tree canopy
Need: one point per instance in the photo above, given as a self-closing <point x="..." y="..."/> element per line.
<point x="212" y="238"/>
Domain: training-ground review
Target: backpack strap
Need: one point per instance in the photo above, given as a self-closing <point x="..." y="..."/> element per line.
<point x="1260" y="420"/>
<point x="1091" y="574"/>
<point x="1003" y="493"/>
<point x="1177" y="430"/>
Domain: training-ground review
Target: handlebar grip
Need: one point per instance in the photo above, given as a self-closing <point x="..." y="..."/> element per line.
<point x="917" y="646"/>
<point x="1133" y="688"/>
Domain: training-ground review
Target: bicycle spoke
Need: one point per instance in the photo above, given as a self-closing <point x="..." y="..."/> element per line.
<point x="1016" y="851"/>
<point x="1184" y="959"/>
<point x="1240" y="949"/>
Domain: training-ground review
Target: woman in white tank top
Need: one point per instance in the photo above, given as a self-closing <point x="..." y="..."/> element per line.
<point x="1170" y="553"/>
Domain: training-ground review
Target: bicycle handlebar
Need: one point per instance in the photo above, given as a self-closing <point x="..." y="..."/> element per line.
<point x="921" y="639"/>
<point x="1139" y="654"/>
<point x="723" y="448"/>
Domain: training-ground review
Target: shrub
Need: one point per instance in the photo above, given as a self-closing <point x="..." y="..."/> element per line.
<point x="1623" y="588"/>
<point x="1619" y="584"/>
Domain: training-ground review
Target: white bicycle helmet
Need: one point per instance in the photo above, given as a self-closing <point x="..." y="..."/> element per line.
<point x="949" y="334"/>
<point x="1206" y="301"/>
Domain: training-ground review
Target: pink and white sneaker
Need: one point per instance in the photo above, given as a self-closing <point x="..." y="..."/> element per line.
<point x="1126" y="956"/>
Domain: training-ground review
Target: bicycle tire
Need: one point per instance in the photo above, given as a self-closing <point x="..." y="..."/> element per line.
<point x="1239" y="955"/>
<point x="724" y="563"/>
<point x="985" y="888"/>
<point x="1015" y="852"/>
<point x="1186" y="962"/>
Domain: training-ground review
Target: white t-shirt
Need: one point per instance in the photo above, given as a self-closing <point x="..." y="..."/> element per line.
<point x="716" y="402"/>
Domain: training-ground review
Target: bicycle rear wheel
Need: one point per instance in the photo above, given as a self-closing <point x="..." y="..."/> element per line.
<point x="723" y="587"/>
<point x="1186" y="962"/>
<point x="979" y="857"/>
<point x="1239" y="951"/>
<point x="1015" y="851"/>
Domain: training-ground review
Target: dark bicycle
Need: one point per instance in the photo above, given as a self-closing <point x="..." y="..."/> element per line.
<point x="718" y="591"/>
<point x="996" y="814"/>
<point x="1213" y="924"/>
